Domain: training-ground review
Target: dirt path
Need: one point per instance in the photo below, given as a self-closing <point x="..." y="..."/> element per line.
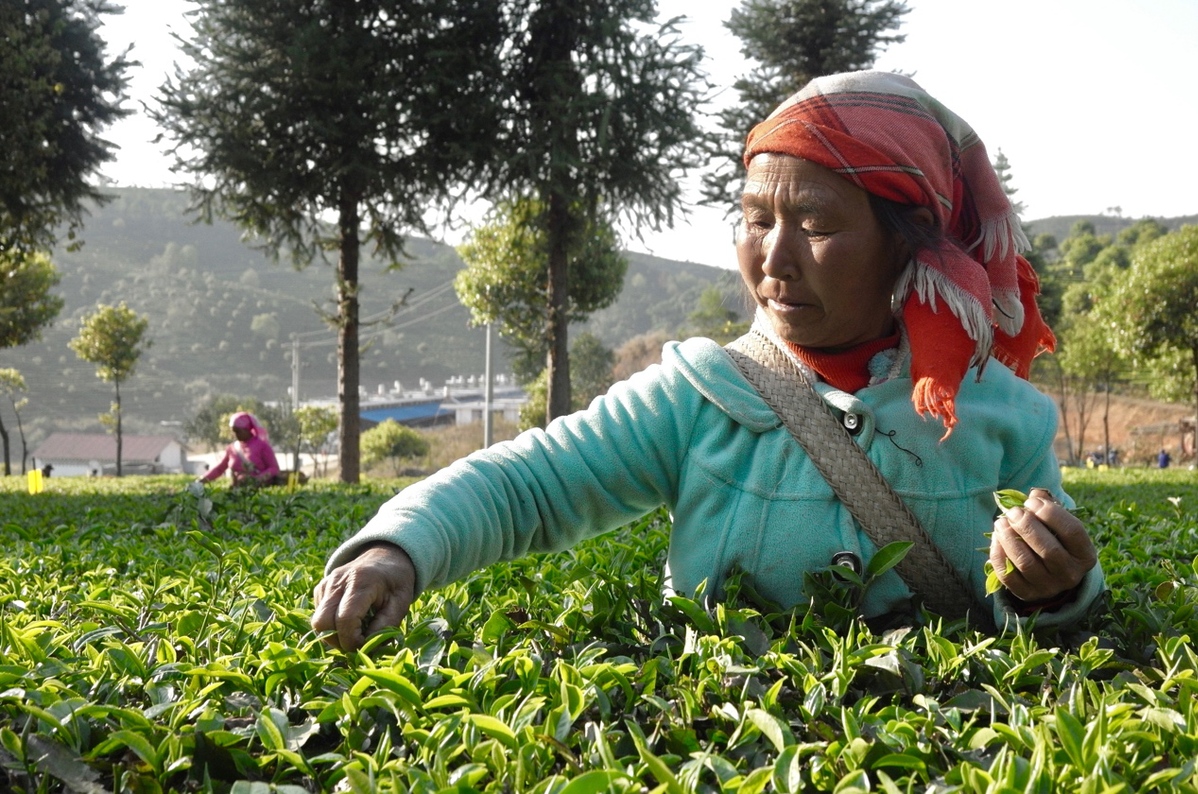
<point x="1139" y="428"/>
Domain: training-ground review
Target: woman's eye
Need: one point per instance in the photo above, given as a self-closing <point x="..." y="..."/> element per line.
<point x="815" y="232"/>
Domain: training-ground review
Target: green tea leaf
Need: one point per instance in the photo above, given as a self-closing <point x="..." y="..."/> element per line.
<point x="697" y="615"/>
<point x="496" y="626"/>
<point x="1008" y="498"/>
<point x="395" y="683"/>
<point x="888" y="556"/>
<point x="1071" y="733"/>
<point x="494" y="728"/>
<point x="447" y="701"/>
<point x="597" y="781"/>
<point x="269" y="733"/>
<point x="139" y="744"/>
<point x="756" y="781"/>
<point x="207" y="544"/>
<point x="771" y="727"/>
<point x="993" y="584"/>
<point x="657" y="767"/>
<point x="902" y="761"/>
<point x="788" y="770"/>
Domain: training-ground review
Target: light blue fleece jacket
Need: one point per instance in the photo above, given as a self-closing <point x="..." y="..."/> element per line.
<point x="693" y="435"/>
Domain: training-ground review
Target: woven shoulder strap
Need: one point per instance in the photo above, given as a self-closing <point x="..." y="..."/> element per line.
<point x="853" y="477"/>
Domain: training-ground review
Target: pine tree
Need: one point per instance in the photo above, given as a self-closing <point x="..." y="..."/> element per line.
<point x="322" y="126"/>
<point x="60" y="91"/>
<point x="792" y="42"/>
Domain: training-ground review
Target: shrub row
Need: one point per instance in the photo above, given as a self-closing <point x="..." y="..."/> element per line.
<point x="156" y="639"/>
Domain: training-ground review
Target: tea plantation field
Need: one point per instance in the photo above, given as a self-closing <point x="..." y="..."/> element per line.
<point x="154" y="638"/>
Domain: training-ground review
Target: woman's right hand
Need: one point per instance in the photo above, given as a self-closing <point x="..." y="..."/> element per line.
<point x="369" y="593"/>
<point x="1048" y="547"/>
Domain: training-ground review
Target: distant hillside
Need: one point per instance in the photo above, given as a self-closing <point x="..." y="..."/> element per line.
<point x="1059" y="226"/>
<point x="222" y="315"/>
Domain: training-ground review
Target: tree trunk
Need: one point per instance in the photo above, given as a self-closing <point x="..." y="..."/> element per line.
<point x="118" y="428"/>
<point x="1194" y="351"/>
<point x="1083" y="401"/>
<point x="4" y="438"/>
<point x="1106" y="424"/>
<point x="347" y="340"/>
<point x="558" y="379"/>
<point x="21" y="432"/>
<point x="1064" y="405"/>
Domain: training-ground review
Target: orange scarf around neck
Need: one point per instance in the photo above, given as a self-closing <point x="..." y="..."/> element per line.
<point x="847" y="370"/>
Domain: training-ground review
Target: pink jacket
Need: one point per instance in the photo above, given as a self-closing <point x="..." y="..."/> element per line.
<point x="254" y="458"/>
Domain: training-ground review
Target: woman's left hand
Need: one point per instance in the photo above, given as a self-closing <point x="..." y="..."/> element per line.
<point x="1047" y="544"/>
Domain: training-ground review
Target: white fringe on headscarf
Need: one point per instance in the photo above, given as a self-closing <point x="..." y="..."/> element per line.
<point x="930" y="284"/>
<point x="997" y="237"/>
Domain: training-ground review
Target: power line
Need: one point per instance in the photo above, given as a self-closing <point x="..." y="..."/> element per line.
<point x="407" y="308"/>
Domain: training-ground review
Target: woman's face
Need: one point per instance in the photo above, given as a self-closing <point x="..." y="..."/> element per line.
<point x="243" y="433"/>
<point x="814" y="256"/>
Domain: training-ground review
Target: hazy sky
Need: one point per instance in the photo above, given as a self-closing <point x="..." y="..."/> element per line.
<point x="1094" y="102"/>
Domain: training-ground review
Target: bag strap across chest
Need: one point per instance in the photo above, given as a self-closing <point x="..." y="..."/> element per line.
<point x="855" y="480"/>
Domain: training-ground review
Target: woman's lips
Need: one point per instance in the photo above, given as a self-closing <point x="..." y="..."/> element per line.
<point x="781" y="305"/>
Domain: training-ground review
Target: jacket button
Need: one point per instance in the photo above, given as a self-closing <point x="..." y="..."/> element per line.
<point x="847" y="559"/>
<point x="852" y="423"/>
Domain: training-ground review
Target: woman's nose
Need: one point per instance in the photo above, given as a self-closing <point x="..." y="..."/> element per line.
<point x="781" y="255"/>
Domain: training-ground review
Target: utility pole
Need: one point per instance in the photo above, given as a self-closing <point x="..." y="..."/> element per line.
<point x="488" y="433"/>
<point x="295" y="371"/>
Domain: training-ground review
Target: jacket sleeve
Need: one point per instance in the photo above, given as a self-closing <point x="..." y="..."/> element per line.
<point x="219" y="468"/>
<point x="546" y="490"/>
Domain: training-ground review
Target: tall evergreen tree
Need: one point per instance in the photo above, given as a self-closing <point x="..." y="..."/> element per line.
<point x="1002" y="167"/>
<point x="367" y="113"/>
<point x="58" y="92"/>
<point x="792" y="42"/>
<point x="603" y="115"/>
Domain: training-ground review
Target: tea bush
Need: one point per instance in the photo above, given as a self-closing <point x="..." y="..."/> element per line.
<point x="156" y="639"/>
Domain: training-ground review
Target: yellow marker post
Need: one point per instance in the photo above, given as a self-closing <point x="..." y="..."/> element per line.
<point x="36" y="484"/>
<point x="292" y="480"/>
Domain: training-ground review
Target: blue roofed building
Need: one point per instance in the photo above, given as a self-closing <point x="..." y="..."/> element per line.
<point x="407" y="411"/>
<point x="460" y="401"/>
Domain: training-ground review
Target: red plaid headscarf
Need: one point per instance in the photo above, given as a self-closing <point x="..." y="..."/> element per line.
<point x="886" y="135"/>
